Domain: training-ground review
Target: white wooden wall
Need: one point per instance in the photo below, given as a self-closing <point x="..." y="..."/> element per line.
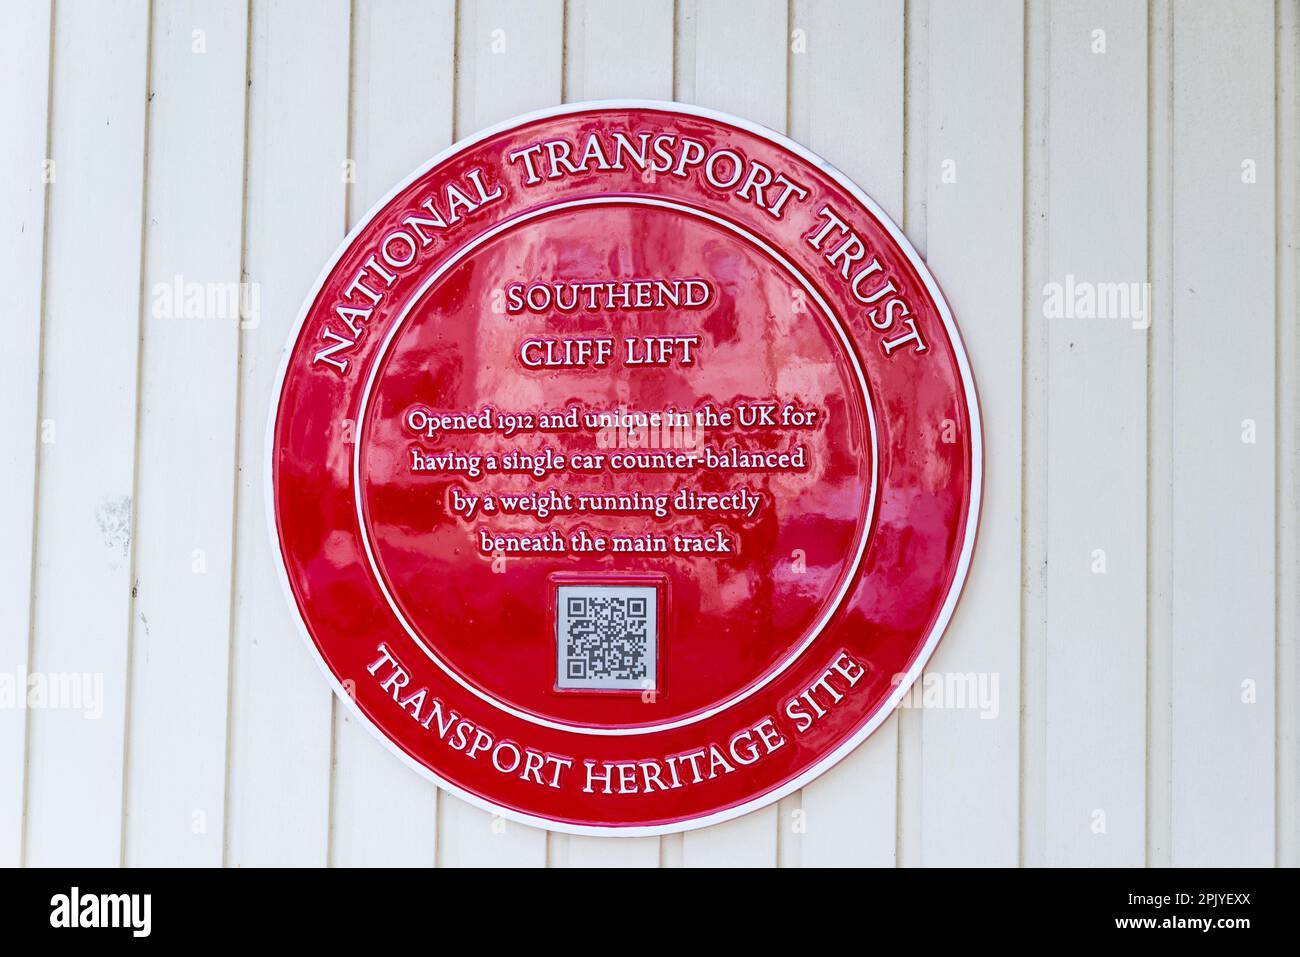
<point x="1148" y="714"/>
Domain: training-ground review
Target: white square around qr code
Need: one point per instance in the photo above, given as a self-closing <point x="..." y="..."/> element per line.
<point x="608" y="637"/>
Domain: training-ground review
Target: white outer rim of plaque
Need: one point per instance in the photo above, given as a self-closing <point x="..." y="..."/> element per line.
<point x="822" y="620"/>
<point x="941" y="621"/>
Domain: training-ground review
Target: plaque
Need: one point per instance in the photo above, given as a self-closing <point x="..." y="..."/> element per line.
<point x="624" y="468"/>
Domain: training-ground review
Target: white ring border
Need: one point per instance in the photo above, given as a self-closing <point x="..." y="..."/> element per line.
<point x="822" y="620"/>
<point x="972" y="517"/>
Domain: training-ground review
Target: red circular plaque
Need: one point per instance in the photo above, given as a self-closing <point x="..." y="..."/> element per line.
<point x="624" y="467"/>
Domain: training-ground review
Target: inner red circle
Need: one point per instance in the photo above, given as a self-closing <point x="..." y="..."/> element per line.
<point x="725" y="622"/>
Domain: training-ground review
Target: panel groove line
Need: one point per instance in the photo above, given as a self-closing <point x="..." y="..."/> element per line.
<point x="236" y="406"/>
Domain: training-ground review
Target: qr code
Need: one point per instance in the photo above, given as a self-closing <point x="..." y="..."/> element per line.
<point x="607" y="636"/>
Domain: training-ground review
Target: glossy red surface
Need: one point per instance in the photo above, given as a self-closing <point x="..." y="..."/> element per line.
<point x="829" y="563"/>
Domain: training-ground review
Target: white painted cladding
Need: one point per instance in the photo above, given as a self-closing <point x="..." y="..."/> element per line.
<point x="1133" y="595"/>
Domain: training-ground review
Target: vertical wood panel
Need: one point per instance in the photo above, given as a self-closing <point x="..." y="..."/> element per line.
<point x="190" y="365"/>
<point x="740" y="58"/>
<point x="1096" y="442"/>
<point x="620" y="49"/>
<point x="24" y="112"/>
<point x="1159" y="443"/>
<point x="854" y="55"/>
<point x="84" y="528"/>
<point x="510" y="60"/>
<point x="971" y="749"/>
<point x="403" y="62"/>
<point x="740" y="65"/>
<point x="280" y="751"/>
<point x="1224" y="515"/>
<point x="616" y="49"/>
